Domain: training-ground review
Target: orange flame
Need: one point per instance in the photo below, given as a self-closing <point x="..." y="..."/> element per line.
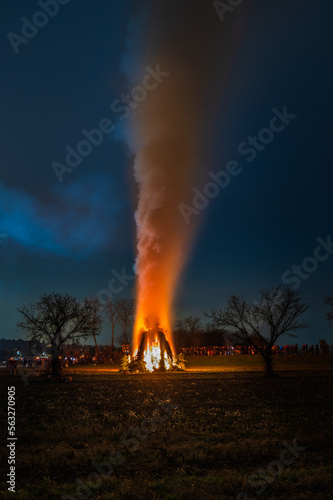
<point x="163" y="237"/>
<point x="165" y="171"/>
<point x="169" y="133"/>
<point x="152" y="356"/>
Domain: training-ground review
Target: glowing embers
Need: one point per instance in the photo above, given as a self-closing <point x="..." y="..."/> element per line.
<point x="154" y="352"/>
<point x="153" y="358"/>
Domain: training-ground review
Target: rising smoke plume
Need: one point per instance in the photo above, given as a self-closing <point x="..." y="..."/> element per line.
<point x="168" y="130"/>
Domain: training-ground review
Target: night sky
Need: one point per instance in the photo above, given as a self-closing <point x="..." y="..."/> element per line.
<point x="75" y="235"/>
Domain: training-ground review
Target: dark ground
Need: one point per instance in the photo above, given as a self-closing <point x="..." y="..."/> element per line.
<point x="217" y="430"/>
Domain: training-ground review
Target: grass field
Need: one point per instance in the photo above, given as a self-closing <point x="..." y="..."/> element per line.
<point x="254" y="362"/>
<point x="232" y="363"/>
<point x="216" y="436"/>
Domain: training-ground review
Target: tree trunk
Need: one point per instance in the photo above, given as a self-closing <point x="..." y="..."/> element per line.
<point x="268" y="363"/>
<point x="56" y="362"/>
<point x="96" y="345"/>
<point x="56" y="366"/>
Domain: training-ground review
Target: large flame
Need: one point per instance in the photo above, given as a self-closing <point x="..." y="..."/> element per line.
<point x="155" y="351"/>
<point x="162" y="171"/>
<point x="185" y="42"/>
<point x="152" y="356"/>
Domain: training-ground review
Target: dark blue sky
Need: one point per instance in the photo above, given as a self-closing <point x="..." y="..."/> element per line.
<point x="75" y="235"/>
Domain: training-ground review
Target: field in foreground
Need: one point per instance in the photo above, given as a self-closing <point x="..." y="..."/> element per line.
<point x="215" y="436"/>
<point x="233" y="364"/>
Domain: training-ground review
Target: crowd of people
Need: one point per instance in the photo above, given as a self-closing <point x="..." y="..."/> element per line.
<point x="249" y="349"/>
<point x="106" y="355"/>
<point x="26" y="362"/>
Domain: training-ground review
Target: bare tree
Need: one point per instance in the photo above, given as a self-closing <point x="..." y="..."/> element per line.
<point x="126" y="317"/>
<point x="113" y="309"/>
<point x="263" y="323"/>
<point x="57" y="319"/>
<point x="329" y="314"/>
<point x="190" y="324"/>
<point x="215" y="336"/>
<point x="123" y="338"/>
<point x="96" y="321"/>
<point x="193" y="325"/>
<point x="190" y="328"/>
<point x="324" y="347"/>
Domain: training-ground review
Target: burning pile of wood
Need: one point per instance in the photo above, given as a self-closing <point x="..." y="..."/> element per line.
<point x="154" y="354"/>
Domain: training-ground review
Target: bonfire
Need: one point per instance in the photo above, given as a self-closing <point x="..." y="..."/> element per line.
<point x="154" y="354"/>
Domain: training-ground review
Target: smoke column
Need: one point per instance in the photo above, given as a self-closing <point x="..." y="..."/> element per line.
<point x="188" y="41"/>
